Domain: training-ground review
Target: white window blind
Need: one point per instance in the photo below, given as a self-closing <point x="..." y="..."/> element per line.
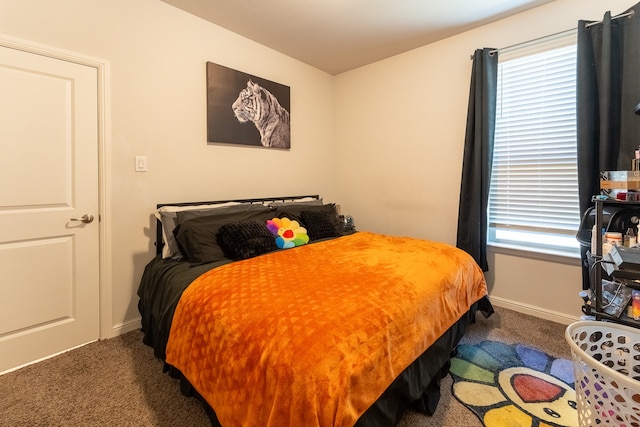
<point x="533" y="199"/>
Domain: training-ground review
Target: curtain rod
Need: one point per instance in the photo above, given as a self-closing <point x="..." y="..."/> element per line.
<point x="622" y="15"/>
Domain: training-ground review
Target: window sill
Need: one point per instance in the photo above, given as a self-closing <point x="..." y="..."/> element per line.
<point x="547" y="255"/>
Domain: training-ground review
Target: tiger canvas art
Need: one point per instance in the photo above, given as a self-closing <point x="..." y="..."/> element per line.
<point x="256" y="104"/>
<point x="247" y="110"/>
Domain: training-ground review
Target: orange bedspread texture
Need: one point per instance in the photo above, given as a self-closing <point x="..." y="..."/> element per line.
<point x="312" y="336"/>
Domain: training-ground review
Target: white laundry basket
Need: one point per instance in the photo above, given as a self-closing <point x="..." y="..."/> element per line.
<point x="606" y="363"/>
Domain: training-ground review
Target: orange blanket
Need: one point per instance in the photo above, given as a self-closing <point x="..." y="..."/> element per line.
<point x="312" y="336"/>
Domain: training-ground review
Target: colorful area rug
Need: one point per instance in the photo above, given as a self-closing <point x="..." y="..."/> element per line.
<point x="514" y="385"/>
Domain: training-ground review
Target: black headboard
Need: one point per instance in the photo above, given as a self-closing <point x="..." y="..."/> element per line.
<point x="159" y="241"/>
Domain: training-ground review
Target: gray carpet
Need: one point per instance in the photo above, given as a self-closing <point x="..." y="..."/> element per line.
<point x="118" y="382"/>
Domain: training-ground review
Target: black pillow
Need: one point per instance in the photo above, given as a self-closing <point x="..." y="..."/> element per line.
<point x="246" y="239"/>
<point x="319" y="224"/>
<point x="295" y="212"/>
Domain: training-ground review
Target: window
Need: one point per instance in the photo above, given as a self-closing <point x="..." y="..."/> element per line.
<point x="533" y="199"/>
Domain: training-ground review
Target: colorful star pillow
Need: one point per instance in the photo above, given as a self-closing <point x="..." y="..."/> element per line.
<point x="288" y="233"/>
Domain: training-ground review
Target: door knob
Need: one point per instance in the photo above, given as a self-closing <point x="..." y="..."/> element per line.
<point x="86" y="218"/>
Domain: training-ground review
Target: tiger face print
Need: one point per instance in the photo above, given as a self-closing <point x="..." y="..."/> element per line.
<point x="258" y="105"/>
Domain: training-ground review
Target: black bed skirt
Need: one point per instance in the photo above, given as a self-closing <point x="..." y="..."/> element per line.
<point x="418" y="386"/>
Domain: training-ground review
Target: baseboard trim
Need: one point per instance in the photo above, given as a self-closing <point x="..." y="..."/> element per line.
<point x="125" y="327"/>
<point x="531" y="310"/>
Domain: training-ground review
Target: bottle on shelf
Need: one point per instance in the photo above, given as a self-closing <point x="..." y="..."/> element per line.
<point x="630" y="239"/>
<point x="635" y="303"/>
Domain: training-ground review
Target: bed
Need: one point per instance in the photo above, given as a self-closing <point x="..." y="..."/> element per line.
<point x="271" y="313"/>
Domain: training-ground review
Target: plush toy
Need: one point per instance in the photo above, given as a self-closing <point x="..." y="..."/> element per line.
<point x="288" y="233"/>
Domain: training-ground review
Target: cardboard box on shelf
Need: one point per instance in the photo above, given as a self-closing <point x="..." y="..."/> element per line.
<point x="620" y="180"/>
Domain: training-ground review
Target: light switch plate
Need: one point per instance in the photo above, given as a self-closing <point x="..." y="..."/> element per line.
<point x="141" y="163"/>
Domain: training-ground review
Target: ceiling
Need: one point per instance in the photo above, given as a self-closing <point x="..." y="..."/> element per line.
<point x="340" y="35"/>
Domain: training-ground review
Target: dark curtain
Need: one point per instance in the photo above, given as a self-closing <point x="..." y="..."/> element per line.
<point x="478" y="157"/>
<point x="608" y="89"/>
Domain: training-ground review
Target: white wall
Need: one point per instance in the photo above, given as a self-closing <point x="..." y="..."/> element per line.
<point x="400" y="127"/>
<point x="157" y="57"/>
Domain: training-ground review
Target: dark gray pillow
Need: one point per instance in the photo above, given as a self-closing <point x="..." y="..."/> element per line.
<point x="170" y="220"/>
<point x="197" y="240"/>
<point x="314" y="202"/>
<point x="240" y="212"/>
<point x="197" y="236"/>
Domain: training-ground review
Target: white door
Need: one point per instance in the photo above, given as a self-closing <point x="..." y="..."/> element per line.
<point x="49" y="261"/>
